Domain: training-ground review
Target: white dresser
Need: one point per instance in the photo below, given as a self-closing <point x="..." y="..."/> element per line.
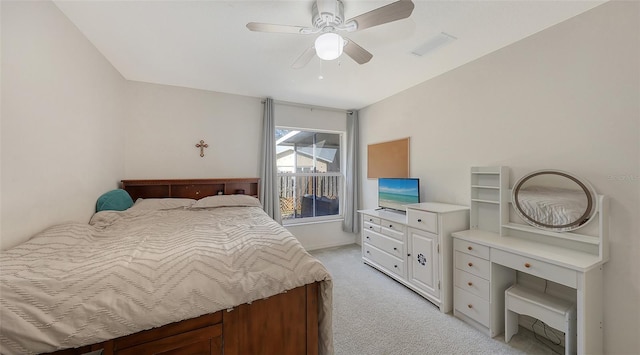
<point x="415" y="248"/>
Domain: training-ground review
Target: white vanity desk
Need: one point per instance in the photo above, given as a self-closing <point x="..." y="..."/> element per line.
<point x="571" y="268"/>
<point x="488" y="257"/>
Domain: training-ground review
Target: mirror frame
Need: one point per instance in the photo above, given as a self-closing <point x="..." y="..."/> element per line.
<point x="584" y="219"/>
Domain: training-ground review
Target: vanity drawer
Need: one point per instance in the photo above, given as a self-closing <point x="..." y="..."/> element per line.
<point x="474" y="249"/>
<point x="371" y="226"/>
<point x="471" y="305"/>
<point x="371" y="219"/>
<point x="393" y="226"/>
<point x="385" y="260"/>
<point x="427" y="221"/>
<point x="536" y="267"/>
<point x="472" y="264"/>
<point x="472" y="283"/>
<point x="391" y="246"/>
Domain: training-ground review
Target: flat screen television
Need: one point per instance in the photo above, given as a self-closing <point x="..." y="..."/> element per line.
<point x="395" y="193"/>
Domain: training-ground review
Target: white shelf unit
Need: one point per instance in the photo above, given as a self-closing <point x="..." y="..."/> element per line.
<point x="595" y="242"/>
<point x="582" y="238"/>
<point x="488" y="197"/>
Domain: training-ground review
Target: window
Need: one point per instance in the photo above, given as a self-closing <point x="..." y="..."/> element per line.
<point x="309" y="174"/>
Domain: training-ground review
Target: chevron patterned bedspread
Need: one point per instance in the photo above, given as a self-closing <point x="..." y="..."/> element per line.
<point x="80" y="284"/>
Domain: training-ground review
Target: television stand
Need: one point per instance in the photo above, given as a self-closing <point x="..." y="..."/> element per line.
<point x="414" y="247"/>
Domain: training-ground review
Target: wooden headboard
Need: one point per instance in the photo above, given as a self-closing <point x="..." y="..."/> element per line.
<point x="191" y="188"/>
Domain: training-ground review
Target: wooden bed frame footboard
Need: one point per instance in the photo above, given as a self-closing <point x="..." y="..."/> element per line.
<point x="286" y="323"/>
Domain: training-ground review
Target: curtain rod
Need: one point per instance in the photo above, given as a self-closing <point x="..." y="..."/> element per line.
<point x="294" y="104"/>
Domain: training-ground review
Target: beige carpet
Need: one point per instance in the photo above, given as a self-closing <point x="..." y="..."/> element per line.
<point x="375" y="315"/>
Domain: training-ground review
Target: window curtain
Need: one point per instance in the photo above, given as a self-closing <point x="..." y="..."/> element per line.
<point x="352" y="176"/>
<point x="268" y="169"/>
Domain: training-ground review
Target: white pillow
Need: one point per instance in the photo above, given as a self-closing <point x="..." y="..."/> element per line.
<point x="162" y="203"/>
<point x="227" y="201"/>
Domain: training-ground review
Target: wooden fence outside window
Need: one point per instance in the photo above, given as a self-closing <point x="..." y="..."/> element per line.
<point x="291" y="200"/>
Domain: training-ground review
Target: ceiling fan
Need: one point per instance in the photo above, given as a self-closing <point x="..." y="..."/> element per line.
<point x="328" y="19"/>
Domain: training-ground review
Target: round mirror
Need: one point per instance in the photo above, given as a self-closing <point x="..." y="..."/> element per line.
<point x="554" y="200"/>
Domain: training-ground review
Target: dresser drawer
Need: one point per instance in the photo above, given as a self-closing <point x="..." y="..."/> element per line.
<point x="372" y="227"/>
<point x="472" y="264"/>
<point x="472" y="306"/>
<point x="392" y="233"/>
<point x="397" y="227"/>
<point x="427" y="221"/>
<point x="371" y="219"/>
<point x="385" y="260"/>
<point x="391" y="246"/>
<point x="535" y="267"/>
<point x="472" y="283"/>
<point x="474" y="249"/>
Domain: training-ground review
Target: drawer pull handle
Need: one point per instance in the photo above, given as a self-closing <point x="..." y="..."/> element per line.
<point x="367" y="252"/>
<point x="527" y="265"/>
<point x="469" y="248"/>
<point x="370" y="227"/>
<point x="470" y="283"/>
<point x="408" y="254"/>
<point x="391" y="226"/>
<point x="367" y="237"/>
<point x="396" y="266"/>
<point x="419" y="220"/>
<point x="470" y="264"/>
<point x="470" y="305"/>
<point x="395" y="248"/>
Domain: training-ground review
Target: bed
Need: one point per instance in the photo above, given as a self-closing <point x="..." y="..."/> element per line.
<point x="201" y="277"/>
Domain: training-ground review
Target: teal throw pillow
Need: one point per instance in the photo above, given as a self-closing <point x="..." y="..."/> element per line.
<point x="114" y="200"/>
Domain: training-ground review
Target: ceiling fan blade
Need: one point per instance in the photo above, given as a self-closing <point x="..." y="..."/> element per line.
<point x="268" y="27"/>
<point x="395" y="11"/>
<point x="304" y="58"/>
<point x="357" y="53"/>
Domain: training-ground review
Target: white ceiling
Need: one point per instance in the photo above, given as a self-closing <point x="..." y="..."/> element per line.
<point x="205" y="44"/>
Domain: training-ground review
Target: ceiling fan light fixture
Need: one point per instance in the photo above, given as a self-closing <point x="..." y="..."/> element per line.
<point x="329" y="46"/>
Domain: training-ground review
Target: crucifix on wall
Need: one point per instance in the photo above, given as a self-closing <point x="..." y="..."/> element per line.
<point x="202" y="145"/>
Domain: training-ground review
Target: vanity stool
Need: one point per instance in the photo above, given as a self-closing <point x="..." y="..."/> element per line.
<point x="556" y="312"/>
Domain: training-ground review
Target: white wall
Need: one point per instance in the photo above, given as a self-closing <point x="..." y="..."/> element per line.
<point x="62" y="116"/>
<point x="164" y="123"/>
<point x="566" y="98"/>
